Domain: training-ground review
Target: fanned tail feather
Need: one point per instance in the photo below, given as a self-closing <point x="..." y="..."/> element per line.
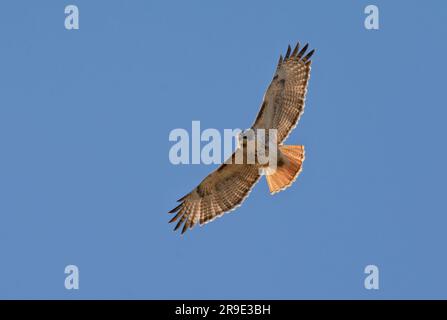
<point x="287" y="172"/>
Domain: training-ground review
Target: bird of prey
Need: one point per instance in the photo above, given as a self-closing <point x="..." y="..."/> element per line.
<point x="228" y="186"/>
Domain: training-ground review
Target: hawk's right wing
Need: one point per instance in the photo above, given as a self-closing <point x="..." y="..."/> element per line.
<point x="221" y="191"/>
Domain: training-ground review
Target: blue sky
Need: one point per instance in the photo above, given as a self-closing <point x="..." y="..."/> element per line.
<point x="85" y="177"/>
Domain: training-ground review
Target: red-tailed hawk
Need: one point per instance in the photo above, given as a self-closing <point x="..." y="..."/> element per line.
<point x="229" y="185"/>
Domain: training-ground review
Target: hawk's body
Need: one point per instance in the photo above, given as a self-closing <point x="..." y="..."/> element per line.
<point x="227" y="187"/>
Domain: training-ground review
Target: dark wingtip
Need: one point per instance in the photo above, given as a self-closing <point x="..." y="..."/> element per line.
<point x="307" y="57"/>
<point x="176" y="208"/>
<point x="176" y="216"/>
<point x="295" y="51"/>
<point x="178" y="225"/>
<point x="303" y="50"/>
<point x="185" y="227"/>
<point x="288" y="52"/>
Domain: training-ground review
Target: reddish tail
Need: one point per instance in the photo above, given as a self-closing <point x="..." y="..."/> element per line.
<point x="289" y="166"/>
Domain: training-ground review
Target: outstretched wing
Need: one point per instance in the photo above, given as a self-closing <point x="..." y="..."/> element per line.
<point x="283" y="101"/>
<point x="221" y="191"/>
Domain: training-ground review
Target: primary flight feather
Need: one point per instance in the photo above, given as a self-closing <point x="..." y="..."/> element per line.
<point x="228" y="186"/>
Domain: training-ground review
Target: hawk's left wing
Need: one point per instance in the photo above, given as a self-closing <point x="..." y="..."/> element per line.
<point x="283" y="101"/>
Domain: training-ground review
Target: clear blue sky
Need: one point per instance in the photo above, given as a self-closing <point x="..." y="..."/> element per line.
<point x="85" y="177"/>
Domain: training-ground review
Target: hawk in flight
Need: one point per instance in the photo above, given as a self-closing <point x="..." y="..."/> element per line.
<point x="228" y="186"/>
